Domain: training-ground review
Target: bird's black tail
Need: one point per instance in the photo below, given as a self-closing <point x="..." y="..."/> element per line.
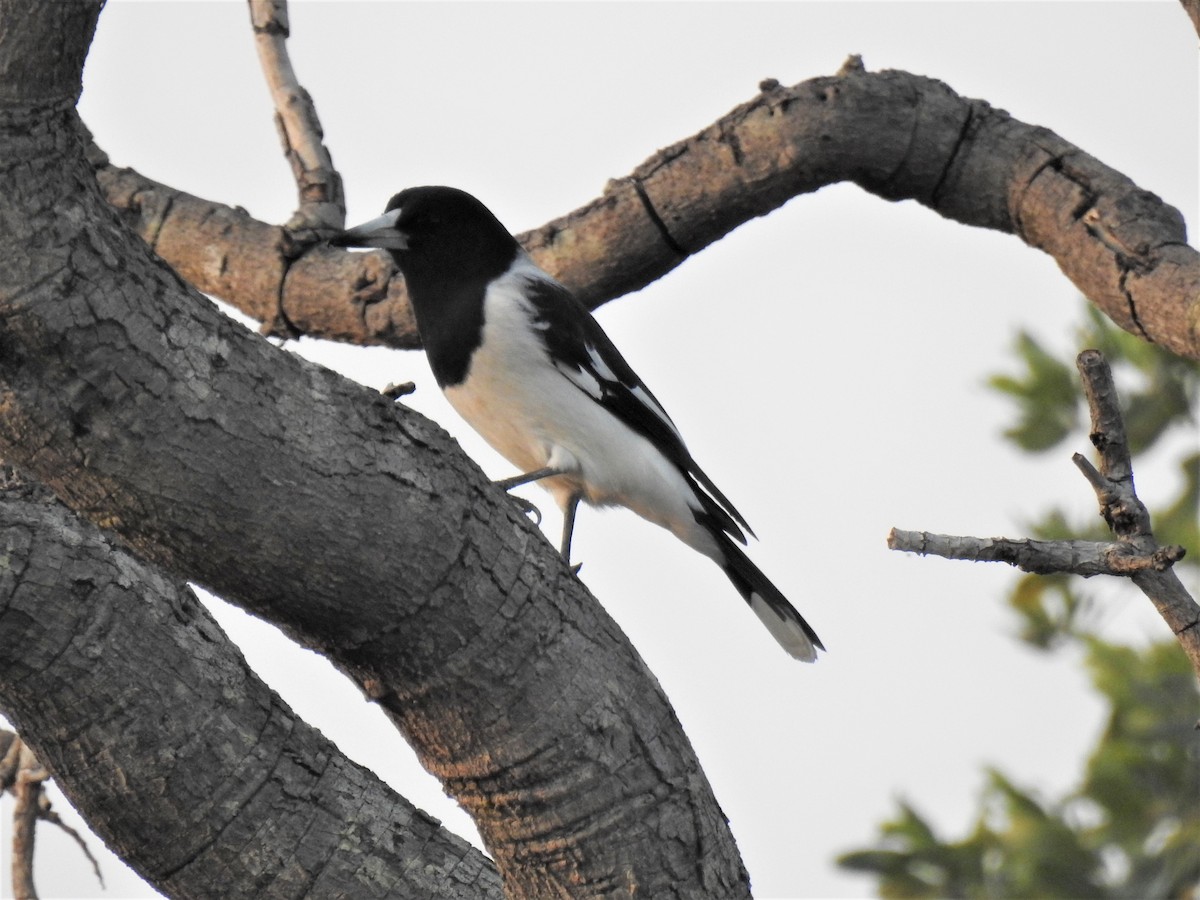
<point x="785" y="624"/>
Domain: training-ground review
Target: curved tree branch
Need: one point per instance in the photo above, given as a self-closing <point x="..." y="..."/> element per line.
<point x="182" y="759"/>
<point x="355" y="524"/>
<point x="898" y="135"/>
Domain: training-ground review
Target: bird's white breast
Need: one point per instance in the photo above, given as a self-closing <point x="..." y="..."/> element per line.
<point x="534" y="416"/>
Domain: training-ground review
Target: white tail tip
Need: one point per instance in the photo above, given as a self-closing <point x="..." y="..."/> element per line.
<point x="789" y="633"/>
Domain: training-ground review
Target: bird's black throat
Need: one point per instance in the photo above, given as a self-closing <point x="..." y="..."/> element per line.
<point x="450" y="319"/>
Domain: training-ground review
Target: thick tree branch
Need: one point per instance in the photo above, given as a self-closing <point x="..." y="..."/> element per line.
<point x="352" y="522"/>
<point x="182" y="759"/>
<point x="898" y="135"/>
<point x="1134" y="554"/>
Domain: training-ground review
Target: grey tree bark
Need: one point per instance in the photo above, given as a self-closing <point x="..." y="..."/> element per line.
<point x="357" y="526"/>
<point x="133" y="691"/>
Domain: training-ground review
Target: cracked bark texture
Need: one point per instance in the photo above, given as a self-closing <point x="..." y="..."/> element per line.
<point x="897" y="135"/>
<point x="132" y="692"/>
<point x="356" y="525"/>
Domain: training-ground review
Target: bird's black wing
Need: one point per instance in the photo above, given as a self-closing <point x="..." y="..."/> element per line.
<point x="583" y="353"/>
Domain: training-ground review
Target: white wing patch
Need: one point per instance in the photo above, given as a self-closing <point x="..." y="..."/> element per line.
<point x="639" y="393"/>
<point x="600" y="365"/>
<point x="647" y="401"/>
<point x="582" y="379"/>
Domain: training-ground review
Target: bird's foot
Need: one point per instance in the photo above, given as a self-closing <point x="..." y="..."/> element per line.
<point x="528" y="508"/>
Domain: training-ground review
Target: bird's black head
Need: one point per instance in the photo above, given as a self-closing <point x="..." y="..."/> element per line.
<point x="438" y="235"/>
<point x="450" y="248"/>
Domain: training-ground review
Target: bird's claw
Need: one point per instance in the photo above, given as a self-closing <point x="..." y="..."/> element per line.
<point x="575" y="568"/>
<point x="528" y="508"/>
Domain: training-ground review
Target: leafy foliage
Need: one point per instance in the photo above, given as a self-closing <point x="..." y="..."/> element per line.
<point x="1132" y="826"/>
<point x="1159" y="390"/>
<point x="1132" y="829"/>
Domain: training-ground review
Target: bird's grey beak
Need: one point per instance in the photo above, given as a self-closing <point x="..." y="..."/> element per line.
<point x="381" y="232"/>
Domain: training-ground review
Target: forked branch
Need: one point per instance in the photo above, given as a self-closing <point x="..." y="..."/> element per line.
<point x="1134" y="553"/>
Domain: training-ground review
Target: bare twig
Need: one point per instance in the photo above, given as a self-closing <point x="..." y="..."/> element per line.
<point x="27" y="789"/>
<point x="1134" y="554"/>
<point x="1125" y="514"/>
<point x="322" y="203"/>
<point x="396" y="391"/>
<point x="23" y="775"/>
<point x="10" y="760"/>
<point x="46" y="814"/>
<point x="1084" y="558"/>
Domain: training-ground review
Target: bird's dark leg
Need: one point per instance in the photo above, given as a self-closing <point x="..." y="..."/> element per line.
<point x="508" y="484"/>
<point x="536" y="475"/>
<point x="568" y="511"/>
<point x="568" y="530"/>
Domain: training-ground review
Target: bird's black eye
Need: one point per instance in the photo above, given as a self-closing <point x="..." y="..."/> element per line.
<point x="423" y="222"/>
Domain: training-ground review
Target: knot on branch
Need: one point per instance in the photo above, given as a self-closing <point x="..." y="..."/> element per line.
<point x="1125" y="560"/>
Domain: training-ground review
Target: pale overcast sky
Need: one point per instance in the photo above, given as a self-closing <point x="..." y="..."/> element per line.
<point x="825" y="363"/>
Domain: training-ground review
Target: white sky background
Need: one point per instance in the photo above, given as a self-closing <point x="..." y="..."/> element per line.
<point x="826" y="364"/>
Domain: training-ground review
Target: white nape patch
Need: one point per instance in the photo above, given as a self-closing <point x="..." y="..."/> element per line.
<point x="789" y="634"/>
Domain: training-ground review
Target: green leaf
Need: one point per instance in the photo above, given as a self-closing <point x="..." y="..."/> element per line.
<point x="1047" y="397"/>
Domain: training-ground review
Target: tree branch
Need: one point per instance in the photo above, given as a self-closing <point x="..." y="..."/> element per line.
<point x="1134" y="554"/>
<point x="178" y="755"/>
<point x="355" y="524"/>
<point x="898" y="135"/>
<point x="14" y="756"/>
<point x="322" y="204"/>
<point x="1084" y="558"/>
<point x="46" y="814"/>
<point x="27" y="789"/>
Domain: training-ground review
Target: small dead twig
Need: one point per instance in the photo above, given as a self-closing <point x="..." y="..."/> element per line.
<point x="27" y="789"/>
<point x="22" y="775"/>
<point x="1084" y="558"/>
<point x="1134" y="553"/>
<point x="395" y="391"/>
